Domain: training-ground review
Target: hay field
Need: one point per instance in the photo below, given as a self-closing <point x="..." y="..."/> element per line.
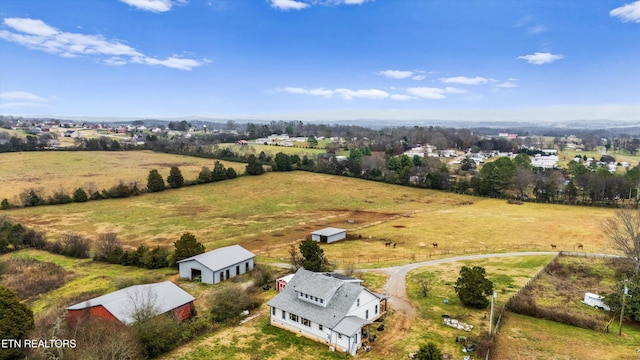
<point x="269" y="212"/>
<point x="60" y="170"/>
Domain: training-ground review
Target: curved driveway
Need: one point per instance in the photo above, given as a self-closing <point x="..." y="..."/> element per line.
<point x="396" y="285"/>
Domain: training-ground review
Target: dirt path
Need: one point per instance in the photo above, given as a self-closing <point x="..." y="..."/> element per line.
<point x="396" y="285"/>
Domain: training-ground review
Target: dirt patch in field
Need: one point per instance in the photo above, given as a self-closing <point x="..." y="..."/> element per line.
<point x="353" y="221"/>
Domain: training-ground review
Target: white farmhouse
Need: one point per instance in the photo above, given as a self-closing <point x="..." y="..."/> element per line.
<point x="217" y="265"/>
<point x="327" y="309"/>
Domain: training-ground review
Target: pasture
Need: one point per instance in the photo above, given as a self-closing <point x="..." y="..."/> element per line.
<point x="268" y="213"/>
<point x="51" y="171"/>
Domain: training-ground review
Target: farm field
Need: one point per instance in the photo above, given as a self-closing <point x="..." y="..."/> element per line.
<point x="268" y="213"/>
<point x="67" y="170"/>
<point x="526" y="338"/>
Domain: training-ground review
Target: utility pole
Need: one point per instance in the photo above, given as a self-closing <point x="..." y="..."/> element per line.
<point x="624" y="298"/>
<point x="491" y="316"/>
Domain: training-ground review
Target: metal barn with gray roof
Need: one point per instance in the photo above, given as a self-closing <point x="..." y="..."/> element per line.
<point x="327" y="309"/>
<point x="217" y="265"/>
<point x="329" y="235"/>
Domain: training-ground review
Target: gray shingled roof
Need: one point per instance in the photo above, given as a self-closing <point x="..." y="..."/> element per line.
<point x="350" y="325"/>
<point x="164" y="296"/>
<point x="328" y="231"/>
<point x="329" y="316"/>
<point x="223" y="257"/>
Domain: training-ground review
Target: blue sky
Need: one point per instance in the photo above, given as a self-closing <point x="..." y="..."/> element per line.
<point x="526" y="60"/>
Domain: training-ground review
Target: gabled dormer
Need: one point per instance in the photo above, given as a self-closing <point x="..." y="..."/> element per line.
<point x="318" y="292"/>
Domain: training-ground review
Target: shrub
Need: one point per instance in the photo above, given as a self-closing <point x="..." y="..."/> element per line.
<point x="227" y="305"/>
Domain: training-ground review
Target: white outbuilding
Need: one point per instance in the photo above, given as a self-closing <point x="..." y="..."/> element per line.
<point x="329" y="235"/>
<point x="218" y="265"/>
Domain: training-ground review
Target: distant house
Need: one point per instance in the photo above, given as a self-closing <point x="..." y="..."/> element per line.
<point x="123" y="304"/>
<point x="218" y="265"/>
<point x="326" y="309"/>
<point x="329" y="235"/>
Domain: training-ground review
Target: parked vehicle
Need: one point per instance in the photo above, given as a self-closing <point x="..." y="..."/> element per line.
<point x="595" y="300"/>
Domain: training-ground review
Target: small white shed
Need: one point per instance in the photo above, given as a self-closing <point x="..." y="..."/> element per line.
<point x="329" y="235"/>
<point x="217" y="265"/>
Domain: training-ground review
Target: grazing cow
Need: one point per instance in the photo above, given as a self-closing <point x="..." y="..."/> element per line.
<point x="580" y="246"/>
<point x="394" y="245"/>
<point x="435" y="245"/>
<point x="387" y="244"/>
<point x="553" y="246"/>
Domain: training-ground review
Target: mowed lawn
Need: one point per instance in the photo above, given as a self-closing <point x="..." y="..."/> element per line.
<point x="51" y="171"/>
<point x="267" y="213"/>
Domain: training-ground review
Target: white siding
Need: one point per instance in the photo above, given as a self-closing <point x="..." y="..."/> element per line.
<point x="368" y="302"/>
<point x="208" y="276"/>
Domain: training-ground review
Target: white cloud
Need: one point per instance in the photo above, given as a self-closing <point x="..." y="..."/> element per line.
<point x="628" y="12"/>
<point x="30" y="26"/>
<point x="427" y="93"/>
<point x="36" y="35"/>
<point x="454" y="90"/>
<point x="21" y="100"/>
<point x="536" y="29"/>
<point x="403" y="74"/>
<point x="402" y="97"/>
<point x="464" y="80"/>
<point x="288" y="5"/>
<point x="315" y="92"/>
<point x="506" y="84"/>
<point x="20" y="95"/>
<point x="150" y="5"/>
<point x="346" y="94"/>
<point x="541" y="58"/>
<point x="396" y="74"/>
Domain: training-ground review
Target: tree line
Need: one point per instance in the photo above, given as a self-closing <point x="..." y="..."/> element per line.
<point x="155" y="183"/>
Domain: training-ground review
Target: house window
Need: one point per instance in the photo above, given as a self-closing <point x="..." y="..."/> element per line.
<point x="306" y="322"/>
<point x="376" y="309"/>
<point x="339" y="336"/>
<point x="306" y="296"/>
<point x="320" y="327"/>
<point x="366" y="314"/>
<point x="321" y="301"/>
<point x="358" y="302"/>
<point x="273" y="311"/>
<point x="293" y="317"/>
<point x="283" y="318"/>
<point x="246" y="267"/>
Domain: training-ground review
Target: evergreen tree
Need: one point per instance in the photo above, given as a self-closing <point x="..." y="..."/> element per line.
<point x="187" y="247"/>
<point x="283" y="162"/>
<point x="16" y="322"/>
<point x="429" y="352"/>
<point x="79" y="195"/>
<point x="473" y="287"/>
<point x="204" y="176"/>
<point x="231" y="173"/>
<point x="154" y="181"/>
<point x="254" y="166"/>
<point x="219" y="172"/>
<point x="312" y="255"/>
<point x="175" y="179"/>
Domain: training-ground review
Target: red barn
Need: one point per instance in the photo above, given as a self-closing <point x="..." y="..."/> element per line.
<point x="123" y="304"/>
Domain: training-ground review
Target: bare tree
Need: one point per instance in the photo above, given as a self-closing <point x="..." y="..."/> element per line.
<point x="143" y="304"/>
<point x="105" y="244"/>
<point x="623" y="232"/>
<point x="294" y="257"/>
